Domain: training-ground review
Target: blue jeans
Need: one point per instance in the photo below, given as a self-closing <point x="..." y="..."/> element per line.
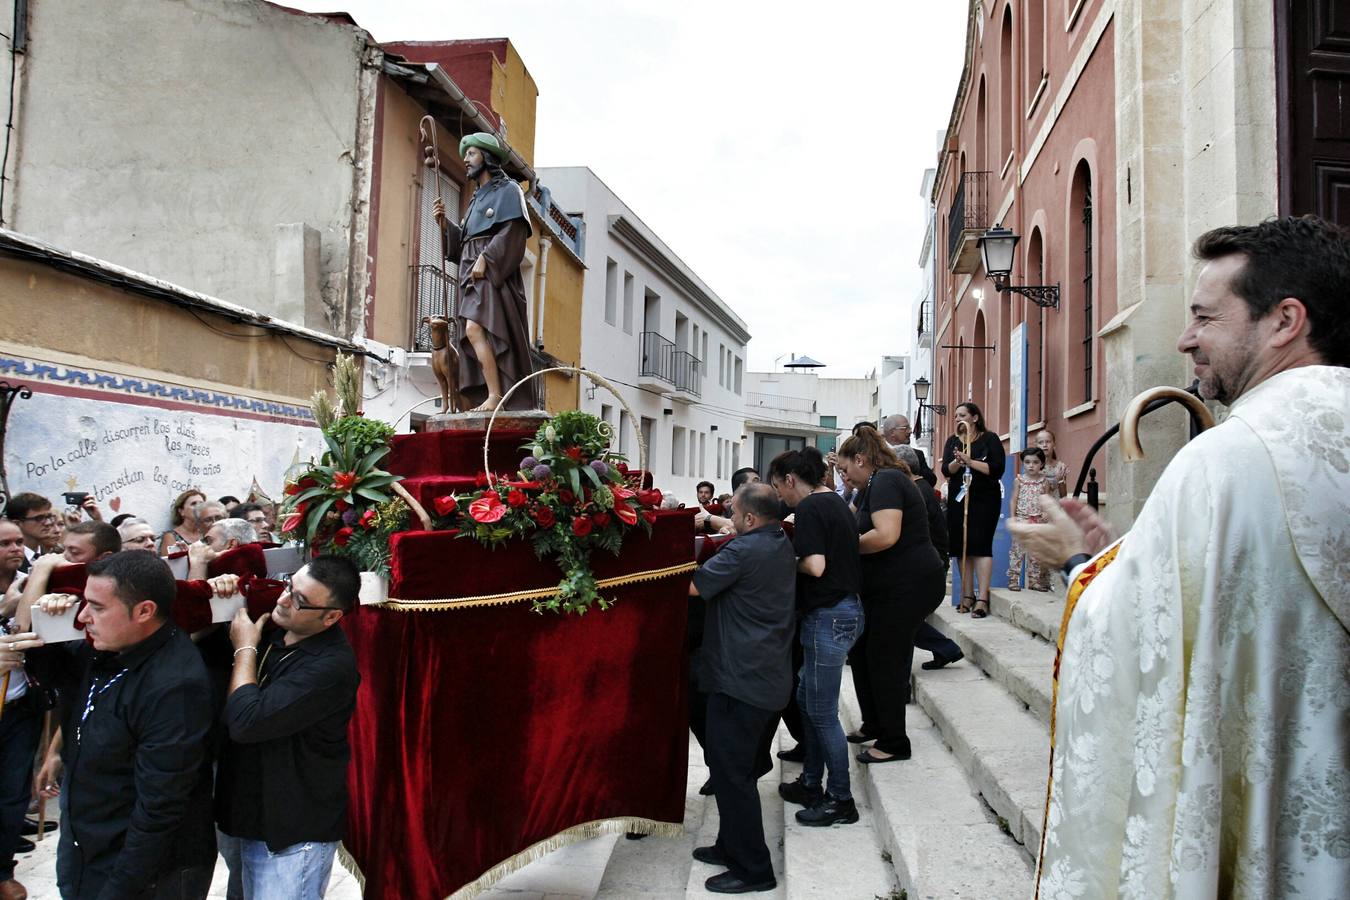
<point x="297" y="872"/>
<point x="827" y="635"/>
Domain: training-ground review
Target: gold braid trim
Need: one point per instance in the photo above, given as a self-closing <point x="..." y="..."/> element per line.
<point x="441" y="604"/>
<point x="577" y="833"/>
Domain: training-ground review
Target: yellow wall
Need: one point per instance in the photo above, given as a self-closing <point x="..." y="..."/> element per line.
<point x="103" y="326"/>
<point x="514" y="95"/>
<point x="562" y="323"/>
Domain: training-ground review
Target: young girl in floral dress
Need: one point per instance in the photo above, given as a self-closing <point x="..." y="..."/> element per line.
<point x="1055" y="468"/>
<point x="1028" y="488"/>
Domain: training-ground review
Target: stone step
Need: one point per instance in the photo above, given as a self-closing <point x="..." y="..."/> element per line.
<point x="1037" y="612"/>
<point x="1017" y="659"/>
<point x="941" y="838"/>
<point x="839" y="861"/>
<point x="1003" y="748"/>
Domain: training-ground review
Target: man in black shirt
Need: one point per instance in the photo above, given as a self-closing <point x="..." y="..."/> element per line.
<point x="281" y="788"/>
<point x="746" y="672"/>
<point x="136" y="798"/>
<point x="896" y="431"/>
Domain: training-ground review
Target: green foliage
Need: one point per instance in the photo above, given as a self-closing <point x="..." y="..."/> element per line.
<point x="360" y="433"/>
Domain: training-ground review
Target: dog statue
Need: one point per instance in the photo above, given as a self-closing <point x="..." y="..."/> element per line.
<point x="444" y="362"/>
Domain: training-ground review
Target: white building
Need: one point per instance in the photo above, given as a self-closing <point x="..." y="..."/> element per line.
<point x="672" y="347"/>
<point x="894" y="394"/>
<point x="922" y="357"/>
<point x="788" y="410"/>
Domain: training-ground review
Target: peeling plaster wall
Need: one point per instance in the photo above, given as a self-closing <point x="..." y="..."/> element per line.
<point x="175" y="138"/>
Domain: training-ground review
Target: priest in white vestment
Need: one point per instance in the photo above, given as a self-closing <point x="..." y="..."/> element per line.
<point x="1201" y="744"/>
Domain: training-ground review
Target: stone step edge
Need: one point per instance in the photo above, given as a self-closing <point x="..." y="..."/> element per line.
<point x="1032" y="611"/>
<point x="1021" y="662"/>
<point x="988" y="835"/>
<point x="993" y="780"/>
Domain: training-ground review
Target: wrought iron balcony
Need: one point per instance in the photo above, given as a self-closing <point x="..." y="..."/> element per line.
<point x="433" y="294"/>
<point x="966" y="221"/>
<point x="688" y="373"/>
<point x="925" y="324"/>
<point x="656" y="365"/>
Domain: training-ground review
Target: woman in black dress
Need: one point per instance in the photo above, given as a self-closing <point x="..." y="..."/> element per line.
<point x="985" y="465"/>
<point x="902" y="582"/>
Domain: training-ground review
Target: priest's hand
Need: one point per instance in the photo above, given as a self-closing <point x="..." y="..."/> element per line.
<point x="479" y="270"/>
<point x="1069" y="529"/>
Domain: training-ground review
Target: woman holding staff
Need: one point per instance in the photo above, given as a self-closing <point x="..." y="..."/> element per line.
<point x="973" y="507"/>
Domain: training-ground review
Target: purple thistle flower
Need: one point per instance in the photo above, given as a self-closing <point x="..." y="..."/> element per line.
<point x="528" y="463"/>
<point x="349" y="516"/>
<point x="600" y="467"/>
<point x="541" y="472"/>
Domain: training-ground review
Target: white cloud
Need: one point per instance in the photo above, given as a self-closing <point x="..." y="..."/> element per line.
<point x="778" y="148"/>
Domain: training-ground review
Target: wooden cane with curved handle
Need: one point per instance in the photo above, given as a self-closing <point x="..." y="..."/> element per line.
<point x="1130" y="447"/>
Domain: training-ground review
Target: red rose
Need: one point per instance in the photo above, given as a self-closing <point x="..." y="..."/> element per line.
<point x="543" y="515"/>
<point x="341" y="505"/>
<point x="567" y="497"/>
<point x="601" y="519"/>
<point x="517" y="498"/>
<point x="480" y="480"/>
<point x="487" y="508"/>
<point x="626" y="514"/>
<point x="573" y="453"/>
<point x="649" y="516"/>
<point x="342" y="537"/>
<point x="368" y="519"/>
<point x="581" y="526"/>
<point x="308" y="482"/>
<point x="622" y="467"/>
<point x="445" y="505"/>
<point x="494" y="495"/>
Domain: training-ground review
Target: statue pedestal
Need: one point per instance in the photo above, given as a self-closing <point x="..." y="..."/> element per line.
<point x="512" y="420"/>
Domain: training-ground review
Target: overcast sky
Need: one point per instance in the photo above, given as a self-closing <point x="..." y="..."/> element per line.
<point x="779" y="153"/>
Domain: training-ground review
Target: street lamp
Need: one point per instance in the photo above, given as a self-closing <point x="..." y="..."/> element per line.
<point x="921" y="388"/>
<point x="997" y="246"/>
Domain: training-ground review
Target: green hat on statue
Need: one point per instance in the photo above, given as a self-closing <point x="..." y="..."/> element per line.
<point x="488" y="143"/>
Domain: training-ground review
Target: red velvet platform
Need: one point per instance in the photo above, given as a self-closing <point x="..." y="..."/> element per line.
<point x="486" y="734"/>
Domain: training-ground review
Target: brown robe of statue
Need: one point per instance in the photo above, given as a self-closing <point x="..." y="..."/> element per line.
<point x="497" y="304"/>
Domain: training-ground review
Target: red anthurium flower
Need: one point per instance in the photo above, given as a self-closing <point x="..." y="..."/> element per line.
<point x="524" y="485"/>
<point x="601" y="519"/>
<point x="487" y="508"/>
<point x="308" y="482"/>
<point x="567" y="497"/>
<point x="293" y="521"/>
<point x="291" y="490"/>
<point x="343" y="482"/>
<point x="517" y="498"/>
<point x="480" y="480"/>
<point x="626" y="514"/>
<point x="343" y="535"/>
<point x="444" y="505"/>
<point x="581" y="526"/>
<point x="573" y="453"/>
<point x="649" y="498"/>
<point x="622" y="493"/>
<point x="649" y="516"/>
<point x="622" y="467"/>
<point x="543" y="515"/>
<point x="368" y="519"/>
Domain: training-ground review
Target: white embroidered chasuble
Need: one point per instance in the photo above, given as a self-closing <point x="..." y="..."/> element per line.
<point x="1202" y="741"/>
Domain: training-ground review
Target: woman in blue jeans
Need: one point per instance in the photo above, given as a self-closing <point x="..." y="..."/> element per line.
<point x="825" y="537"/>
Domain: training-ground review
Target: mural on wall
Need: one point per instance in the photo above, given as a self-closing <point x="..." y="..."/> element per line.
<point x="135" y="443"/>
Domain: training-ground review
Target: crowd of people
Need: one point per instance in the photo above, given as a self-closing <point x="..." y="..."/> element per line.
<point x="166" y="749"/>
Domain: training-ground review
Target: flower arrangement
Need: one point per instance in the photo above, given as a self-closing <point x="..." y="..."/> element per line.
<point x="571" y="496"/>
<point x="344" y="503"/>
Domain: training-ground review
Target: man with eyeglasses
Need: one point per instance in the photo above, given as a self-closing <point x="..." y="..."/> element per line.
<point x="137" y="534"/>
<point x="281" y="785"/>
<point x="255" y="515"/>
<point x="39" y="524"/>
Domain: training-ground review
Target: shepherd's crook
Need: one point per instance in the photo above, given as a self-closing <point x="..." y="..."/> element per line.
<point x="431" y="157"/>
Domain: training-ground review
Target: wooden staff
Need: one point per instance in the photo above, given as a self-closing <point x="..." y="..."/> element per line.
<point x="963" y="432"/>
<point x="431" y="158"/>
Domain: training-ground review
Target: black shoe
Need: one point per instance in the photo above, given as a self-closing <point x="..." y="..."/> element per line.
<point x="731" y="883"/>
<point x="867" y="759"/>
<point x="635" y="835"/>
<point x="830" y="811"/>
<point x="706" y="790"/>
<point x="800" y="793"/>
<point x="858" y="737"/>
<point x="796" y="754"/>
<point x="938" y="662"/>
<point x="30" y="827"/>
<point x="25" y="846"/>
<point x="711" y="855"/>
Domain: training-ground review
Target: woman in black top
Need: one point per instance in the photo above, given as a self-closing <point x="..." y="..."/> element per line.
<point x="830" y="619"/>
<point x="902" y="582"/>
<point x="984" y="463"/>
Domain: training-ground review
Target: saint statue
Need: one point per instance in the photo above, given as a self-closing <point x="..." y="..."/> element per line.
<point x="488" y="245"/>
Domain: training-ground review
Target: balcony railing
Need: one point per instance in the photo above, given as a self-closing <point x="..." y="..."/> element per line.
<point x="433" y="294"/>
<point x="688" y="373"/>
<point x="657" y="357"/>
<point x="967" y="220"/>
<point x="926" y="323"/>
<point x="776" y="401"/>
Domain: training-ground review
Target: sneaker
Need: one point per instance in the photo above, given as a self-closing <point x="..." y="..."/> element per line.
<point x="830" y="811"/>
<point x="800" y="793"/>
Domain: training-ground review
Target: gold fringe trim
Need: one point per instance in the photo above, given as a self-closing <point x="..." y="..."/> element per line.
<point x="573" y="835"/>
<point x="445" y="603"/>
<point x="349" y="863"/>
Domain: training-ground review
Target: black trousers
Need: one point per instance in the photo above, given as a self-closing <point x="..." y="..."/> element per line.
<point x="882" y="657"/>
<point x="735" y="736"/>
<point x="698" y="723"/>
<point x="20" y="731"/>
<point x="792" y="713"/>
<point x="926" y="637"/>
